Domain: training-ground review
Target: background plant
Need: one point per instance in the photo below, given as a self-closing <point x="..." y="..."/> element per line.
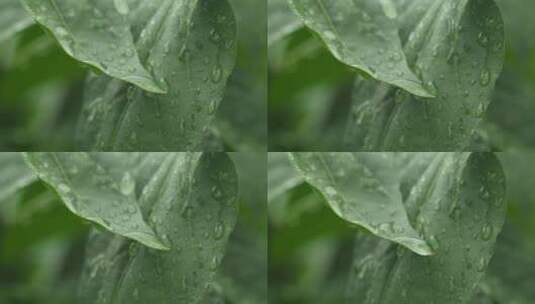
<point x="156" y="80"/>
<point x="155" y="227"/>
<point x="336" y="234"/>
<point x="342" y="83"/>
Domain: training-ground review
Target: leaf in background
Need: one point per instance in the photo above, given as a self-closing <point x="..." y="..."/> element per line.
<point x="457" y="203"/>
<point x="13" y="18"/>
<point x="511" y="273"/>
<point x="190" y="199"/>
<point x="460" y="65"/>
<point x="281" y="20"/>
<point x="90" y="191"/>
<point x="282" y="175"/>
<point x="96" y="33"/>
<point x="246" y="130"/>
<point x="190" y="45"/>
<point x="14" y="174"/>
<point x="243" y="274"/>
<point x="239" y="118"/>
<point x="362" y="188"/>
<point x="362" y="34"/>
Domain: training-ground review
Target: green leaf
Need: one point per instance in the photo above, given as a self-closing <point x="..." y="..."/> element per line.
<point x="191" y="201"/>
<point x="15" y="174"/>
<point x="90" y="189"/>
<point x="457" y="48"/>
<point x="281" y="21"/>
<point x="363" y="189"/>
<point x="13" y="18"/>
<point x="362" y="34"/>
<point x="188" y="44"/>
<point x="96" y="33"/>
<point x="457" y="203"/>
<point x="282" y="175"/>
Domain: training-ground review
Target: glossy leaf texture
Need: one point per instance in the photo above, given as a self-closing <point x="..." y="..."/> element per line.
<point x="457" y="203"/>
<point x="15" y="174"/>
<point x="363" y="189"/>
<point x="457" y="48"/>
<point x="96" y="33"/>
<point x="281" y="20"/>
<point x="13" y="18"/>
<point x="362" y="34"/>
<point x="190" y="45"/>
<point x="190" y="199"/>
<point x="282" y="175"/>
<point x="90" y="189"/>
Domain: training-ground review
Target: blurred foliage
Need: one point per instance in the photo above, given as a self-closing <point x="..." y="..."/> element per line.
<point x="309" y="91"/>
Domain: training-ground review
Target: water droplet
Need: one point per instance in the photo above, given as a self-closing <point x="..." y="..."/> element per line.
<point x="128" y="184"/>
<point x="484" y="78"/>
<point x="486" y="232"/>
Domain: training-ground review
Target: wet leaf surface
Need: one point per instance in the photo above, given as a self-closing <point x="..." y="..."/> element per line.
<point x="96" y="33"/>
<point x="457" y="48"/>
<point x="362" y="34"/>
<point x="190" y="45"/>
<point x="90" y="189"/>
<point x="190" y="200"/>
<point x="363" y="189"/>
<point x="457" y="203"/>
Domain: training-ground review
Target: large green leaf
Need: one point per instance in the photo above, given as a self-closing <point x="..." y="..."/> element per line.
<point x="189" y="44"/>
<point x="13" y="18"/>
<point x="281" y="20"/>
<point x="97" y="33"/>
<point x="457" y="203"/>
<point x="282" y="175"/>
<point x="14" y="174"/>
<point x="363" y="189"/>
<point x="190" y="199"/>
<point x="364" y="35"/>
<point x="457" y="49"/>
<point x="90" y="188"/>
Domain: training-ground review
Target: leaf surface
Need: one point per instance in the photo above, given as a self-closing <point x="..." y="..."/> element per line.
<point x="13" y="18"/>
<point x="90" y="190"/>
<point x="457" y="204"/>
<point x="361" y="34"/>
<point x="14" y="174"/>
<point x="190" y="199"/>
<point x="190" y="45"/>
<point x="96" y="33"/>
<point x="457" y="49"/>
<point x="362" y="189"/>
